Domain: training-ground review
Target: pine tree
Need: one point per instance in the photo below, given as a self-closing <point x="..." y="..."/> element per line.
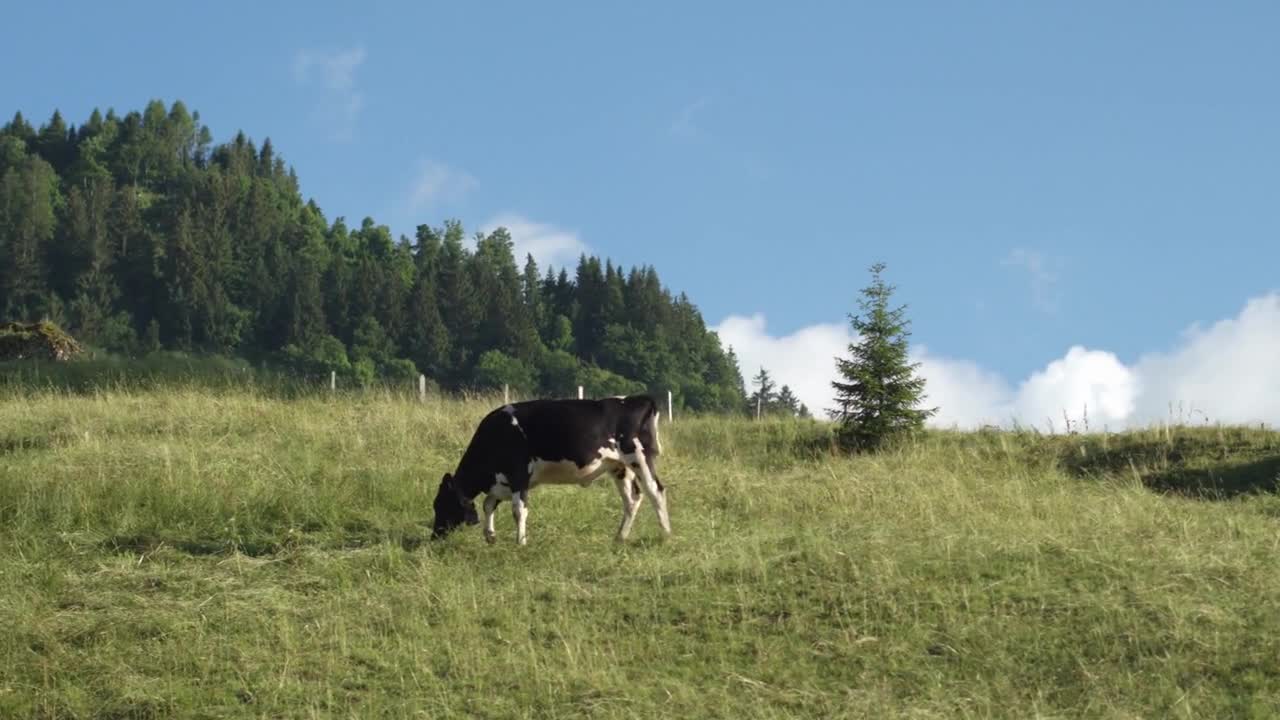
<point x="506" y="324"/>
<point x="53" y="143"/>
<point x="28" y="220"/>
<point x="459" y="304"/>
<point x="90" y="254"/>
<point x="305" y="315"/>
<point x="589" y="321"/>
<point x="879" y="395"/>
<point x="764" y="398"/>
<point x="787" y="403"/>
<point x="734" y="390"/>
<point x="186" y="292"/>
<point x="531" y="294"/>
<point x="428" y="339"/>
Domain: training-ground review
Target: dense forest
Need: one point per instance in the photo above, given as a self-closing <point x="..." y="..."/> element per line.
<point x="139" y="234"/>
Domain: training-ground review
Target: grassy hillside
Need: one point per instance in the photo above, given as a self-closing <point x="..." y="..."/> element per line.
<point x="223" y="553"/>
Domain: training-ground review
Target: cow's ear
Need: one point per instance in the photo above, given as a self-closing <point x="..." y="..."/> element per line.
<point x="448" y="478"/>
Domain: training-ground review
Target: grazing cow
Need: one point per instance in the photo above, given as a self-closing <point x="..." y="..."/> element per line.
<point x="550" y="442"/>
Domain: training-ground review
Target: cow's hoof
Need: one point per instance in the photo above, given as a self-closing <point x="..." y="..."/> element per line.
<point x="491" y="539"/>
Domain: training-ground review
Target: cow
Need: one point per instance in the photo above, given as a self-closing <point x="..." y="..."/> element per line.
<point x="554" y="442"/>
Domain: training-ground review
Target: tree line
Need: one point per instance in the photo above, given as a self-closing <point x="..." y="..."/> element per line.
<point x="139" y="234"/>
<point x="768" y="399"/>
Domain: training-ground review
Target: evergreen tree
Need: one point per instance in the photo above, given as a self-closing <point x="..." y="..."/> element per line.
<point x="338" y="280"/>
<point x="186" y="291"/>
<point x="733" y="391"/>
<point x="302" y="306"/>
<point x="614" y="308"/>
<point x="765" y="397"/>
<point x="90" y="254"/>
<point x="879" y="395"/>
<point x="28" y="220"/>
<point x="305" y="320"/>
<point x="53" y="143"/>
<point x="460" y="305"/>
<point x="139" y="260"/>
<point x="21" y="130"/>
<point x="429" y="342"/>
<point x="591" y="296"/>
<point x="505" y="324"/>
<point x="787" y="403"/>
<point x="372" y="343"/>
<point x="531" y="294"/>
<point x="427" y="244"/>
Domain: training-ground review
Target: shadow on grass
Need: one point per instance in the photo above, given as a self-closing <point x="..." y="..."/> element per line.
<point x="639" y="542"/>
<point x="1202" y="466"/>
<point x="1259" y="476"/>
<point x="142" y="544"/>
<point x="14" y="444"/>
<point x="261" y="545"/>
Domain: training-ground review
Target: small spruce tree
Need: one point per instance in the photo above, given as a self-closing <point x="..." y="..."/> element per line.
<point x="787" y="403"/>
<point x="878" y="394"/>
<point x="765" y="396"/>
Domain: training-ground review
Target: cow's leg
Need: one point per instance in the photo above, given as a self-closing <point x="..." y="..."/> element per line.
<point x="652" y="487"/>
<point x="519" y="478"/>
<point x="520" y="511"/>
<point x="631" y="499"/>
<point x="490" y="507"/>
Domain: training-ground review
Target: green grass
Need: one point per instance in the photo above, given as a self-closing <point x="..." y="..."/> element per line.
<point x="206" y="553"/>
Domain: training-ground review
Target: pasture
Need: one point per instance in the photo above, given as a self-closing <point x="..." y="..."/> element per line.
<point x="219" y="553"/>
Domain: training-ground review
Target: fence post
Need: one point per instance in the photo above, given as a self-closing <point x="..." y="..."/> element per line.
<point x="670" y="414"/>
<point x="579" y="392"/>
<point x="422" y="388"/>
<point x="758" y="399"/>
<point x="333" y="380"/>
<point x="506" y="394"/>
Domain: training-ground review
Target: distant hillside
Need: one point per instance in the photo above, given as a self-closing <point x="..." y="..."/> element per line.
<point x="137" y="234"/>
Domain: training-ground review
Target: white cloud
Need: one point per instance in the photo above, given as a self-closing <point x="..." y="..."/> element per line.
<point x="1042" y="277"/>
<point x="965" y="394"/>
<point x="337" y="70"/>
<point x="437" y="182"/>
<point x="1091" y="381"/>
<point x="683" y="124"/>
<point x="803" y="360"/>
<point x="1226" y="373"/>
<point x="548" y="244"/>
<point x="335" y="74"/>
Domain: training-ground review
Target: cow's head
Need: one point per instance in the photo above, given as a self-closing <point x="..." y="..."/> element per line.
<point x="452" y="508"/>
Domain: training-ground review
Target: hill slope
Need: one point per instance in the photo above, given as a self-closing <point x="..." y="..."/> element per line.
<point x="197" y="554"/>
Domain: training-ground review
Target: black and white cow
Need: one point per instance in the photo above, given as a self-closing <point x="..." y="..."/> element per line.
<point x="555" y="442"/>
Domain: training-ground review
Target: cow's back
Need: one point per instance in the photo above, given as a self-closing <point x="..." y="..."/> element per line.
<point x="567" y="429"/>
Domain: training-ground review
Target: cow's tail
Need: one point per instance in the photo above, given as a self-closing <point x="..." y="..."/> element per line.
<point x="657" y="439"/>
<point x="654" y="414"/>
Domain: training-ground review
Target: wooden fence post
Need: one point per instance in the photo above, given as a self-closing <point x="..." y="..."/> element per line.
<point x="670" y="413"/>
<point x="422" y="388"/>
<point x="506" y="394"/>
<point x="333" y="380"/>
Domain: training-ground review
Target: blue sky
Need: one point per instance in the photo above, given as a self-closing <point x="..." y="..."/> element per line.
<point x="1037" y="177"/>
